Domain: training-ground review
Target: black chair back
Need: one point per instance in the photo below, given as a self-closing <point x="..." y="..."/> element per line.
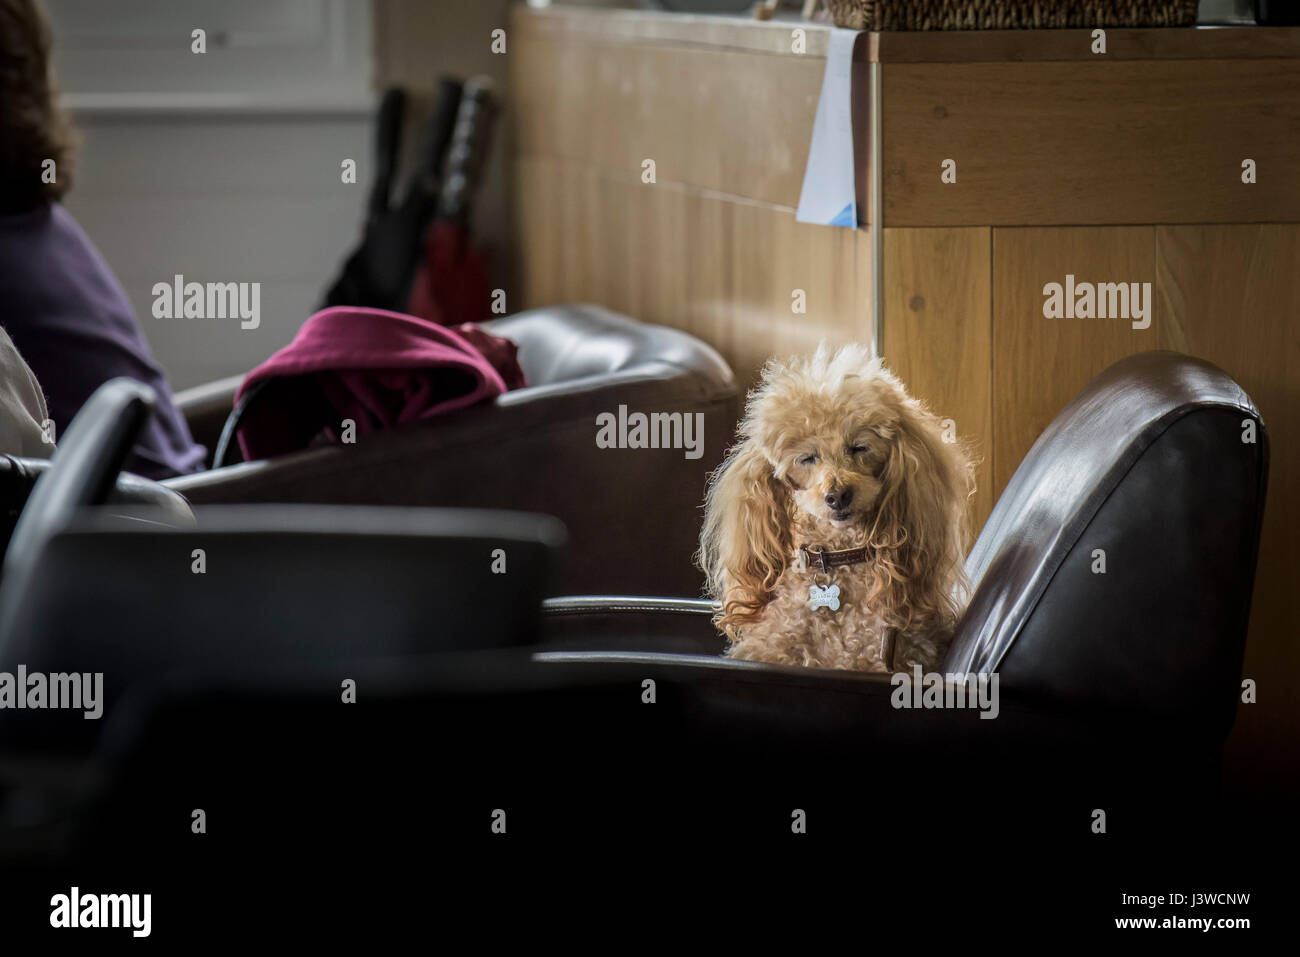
<point x="1116" y="569"/>
<point x="260" y="587"/>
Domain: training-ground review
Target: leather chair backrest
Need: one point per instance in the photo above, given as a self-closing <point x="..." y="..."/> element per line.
<point x="633" y="515"/>
<point x="565" y="343"/>
<point x="277" y="585"/>
<point x="1151" y="470"/>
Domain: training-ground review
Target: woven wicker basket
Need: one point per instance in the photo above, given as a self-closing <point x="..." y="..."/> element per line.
<point x="1009" y="14"/>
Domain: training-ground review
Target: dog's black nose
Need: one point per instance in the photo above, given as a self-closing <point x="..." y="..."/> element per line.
<point x="840" y="499"/>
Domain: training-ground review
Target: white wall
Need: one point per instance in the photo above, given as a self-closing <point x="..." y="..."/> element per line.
<point x="224" y="166"/>
<point x="222" y="198"/>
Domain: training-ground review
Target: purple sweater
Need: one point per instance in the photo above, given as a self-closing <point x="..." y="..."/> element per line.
<point x="71" y="321"/>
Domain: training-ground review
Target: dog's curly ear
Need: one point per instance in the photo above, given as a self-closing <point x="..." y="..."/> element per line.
<point x="746" y="539"/>
<point x="921" y="527"/>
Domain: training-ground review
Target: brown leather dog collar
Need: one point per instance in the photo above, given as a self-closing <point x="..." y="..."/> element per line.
<point x="826" y="559"/>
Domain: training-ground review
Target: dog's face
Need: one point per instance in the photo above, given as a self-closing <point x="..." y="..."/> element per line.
<point x="834" y="467"/>
<point x="829" y="432"/>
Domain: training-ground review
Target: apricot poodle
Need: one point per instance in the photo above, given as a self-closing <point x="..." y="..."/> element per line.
<point x="835" y="531"/>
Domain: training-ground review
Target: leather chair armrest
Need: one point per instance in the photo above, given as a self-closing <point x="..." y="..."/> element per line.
<point x="206" y="408"/>
<point x="615" y="623"/>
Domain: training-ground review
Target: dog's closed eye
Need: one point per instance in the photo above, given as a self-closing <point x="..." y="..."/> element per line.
<point x="870" y="455"/>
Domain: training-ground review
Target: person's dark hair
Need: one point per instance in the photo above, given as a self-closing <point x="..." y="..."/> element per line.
<point x="33" y="127"/>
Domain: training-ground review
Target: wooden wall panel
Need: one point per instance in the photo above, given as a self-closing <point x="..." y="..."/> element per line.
<point x="712" y="246"/>
<point x="938" y="333"/>
<point x="720" y="269"/>
<point x="1231" y="296"/>
<point x="707" y="311"/>
<point x="644" y="28"/>
<point x="1081" y="142"/>
<point x="660" y="223"/>
<point x="701" y="114"/>
<point x="537" y="213"/>
<point x="1153" y="43"/>
<point x="773" y="257"/>
<point x="1039" y="364"/>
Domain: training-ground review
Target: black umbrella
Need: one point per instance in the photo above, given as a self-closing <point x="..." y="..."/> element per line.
<point x="379" y="271"/>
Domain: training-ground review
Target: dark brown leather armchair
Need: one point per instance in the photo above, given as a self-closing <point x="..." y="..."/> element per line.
<point x="633" y="515"/>
<point x="1126" y="674"/>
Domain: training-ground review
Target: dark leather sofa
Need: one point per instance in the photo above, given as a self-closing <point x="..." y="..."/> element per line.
<point x="633" y="516"/>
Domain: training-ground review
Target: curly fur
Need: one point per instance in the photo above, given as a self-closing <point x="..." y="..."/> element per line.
<point x="817" y="431"/>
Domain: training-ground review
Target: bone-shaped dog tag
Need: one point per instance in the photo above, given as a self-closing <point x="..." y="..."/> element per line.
<point x="828" y="597"/>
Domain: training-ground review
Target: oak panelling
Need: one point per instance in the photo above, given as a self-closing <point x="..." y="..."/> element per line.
<point x="707" y="312"/>
<point x="533" y="82"/>
<point x="860" y="107"/>
<point x="613" y="243"/>
<point x="735" y="122"/>
<point x="1158" y="141"/>
<point x="720" y="269"/>
<point x="1040" y="364"/>
<point x="981" y="46"/>
<point x="655" y="28"/>
<point x="774" y="256"/>
<point x="1231" y="296"/>
<point x="659" y="224"/>
<point x="575" y="232"/>
<point x="938" y="333"/>
<point x="540" y="251"/>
